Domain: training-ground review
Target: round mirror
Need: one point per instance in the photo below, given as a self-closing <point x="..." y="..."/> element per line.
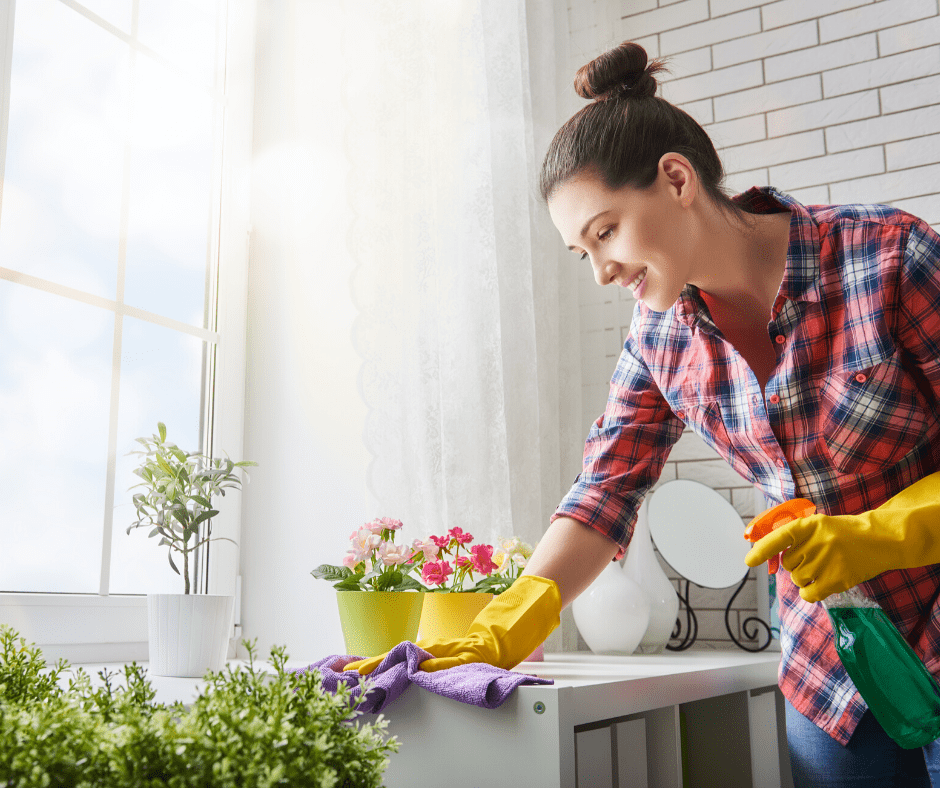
<point x="699" y="533"/>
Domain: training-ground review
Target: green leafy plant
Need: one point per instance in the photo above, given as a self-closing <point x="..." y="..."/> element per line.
<point x="253" y="725"/>
<point x="177" y="498"/>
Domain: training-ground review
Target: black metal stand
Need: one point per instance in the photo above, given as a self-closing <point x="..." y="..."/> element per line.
<point x="691" y="629"/>
<point x="753" y="622"/>
<point x="686" y="632"/>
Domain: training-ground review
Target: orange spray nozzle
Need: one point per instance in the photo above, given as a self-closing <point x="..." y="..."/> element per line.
<point x="773" y="518"/>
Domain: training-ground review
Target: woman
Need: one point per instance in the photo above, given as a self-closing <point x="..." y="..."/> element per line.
<point x="802" y="344"/>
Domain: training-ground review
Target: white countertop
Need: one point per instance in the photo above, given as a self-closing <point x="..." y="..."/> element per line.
<point x="648" y="676"/>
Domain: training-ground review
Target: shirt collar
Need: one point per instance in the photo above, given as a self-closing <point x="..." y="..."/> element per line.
<point x="801" y="275"/>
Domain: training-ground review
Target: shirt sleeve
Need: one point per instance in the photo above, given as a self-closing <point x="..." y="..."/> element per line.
<point x="918" y="326"/>
<point x="624" y="453"/>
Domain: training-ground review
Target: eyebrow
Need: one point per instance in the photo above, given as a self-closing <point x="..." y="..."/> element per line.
<point x="587" y="224"/>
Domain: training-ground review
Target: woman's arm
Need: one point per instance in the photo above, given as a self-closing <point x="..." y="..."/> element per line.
<point x="572" y="554"/>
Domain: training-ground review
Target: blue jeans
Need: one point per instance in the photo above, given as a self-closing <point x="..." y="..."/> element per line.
<point x="871" y="758"/>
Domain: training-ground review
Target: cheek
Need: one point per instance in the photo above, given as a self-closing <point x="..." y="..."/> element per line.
<point x="670" y="239"/>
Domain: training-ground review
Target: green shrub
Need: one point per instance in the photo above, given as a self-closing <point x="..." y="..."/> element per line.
<point x="248" y="727"/>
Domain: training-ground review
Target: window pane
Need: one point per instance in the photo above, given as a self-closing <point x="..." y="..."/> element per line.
<point x="161" y="375"/>
<point x="117" y="12"/>
<point x="183" y="31"/>
<point x="65" y="151"/>
<point x="55" y="382"/>
<point x="171" y="189"/>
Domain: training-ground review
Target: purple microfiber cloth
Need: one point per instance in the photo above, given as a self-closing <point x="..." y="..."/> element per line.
<point x="476" y="683"/>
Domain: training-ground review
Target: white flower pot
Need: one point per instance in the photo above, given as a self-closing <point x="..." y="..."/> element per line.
<point x="189" y="633"/>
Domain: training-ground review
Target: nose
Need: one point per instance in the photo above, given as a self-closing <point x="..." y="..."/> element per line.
<point x="605" y="271"/>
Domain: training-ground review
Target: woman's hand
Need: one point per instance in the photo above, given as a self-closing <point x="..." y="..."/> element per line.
<point x="829" y="554"/>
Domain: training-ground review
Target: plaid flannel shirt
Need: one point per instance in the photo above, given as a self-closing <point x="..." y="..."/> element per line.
<point x="848" y="417"/>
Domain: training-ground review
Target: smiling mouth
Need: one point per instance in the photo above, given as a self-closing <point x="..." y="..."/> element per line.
<point x="636" y="282"/>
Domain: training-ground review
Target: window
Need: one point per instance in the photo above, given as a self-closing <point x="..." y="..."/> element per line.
<point x="123" y="138"/>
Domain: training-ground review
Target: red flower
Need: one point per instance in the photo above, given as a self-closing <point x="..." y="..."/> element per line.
<point x="440" y="541"/>
<point x="483" y="559"/>
<point x="459" y="536"/>
<point x="462" y="561"/>
<point x="436" y="572"/>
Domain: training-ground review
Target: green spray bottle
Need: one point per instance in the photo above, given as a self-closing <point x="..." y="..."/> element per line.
<point x="893" y="682"/>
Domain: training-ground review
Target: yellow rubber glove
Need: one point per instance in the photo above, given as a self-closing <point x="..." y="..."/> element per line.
<point x="829" y="554"/>
<point x="504" y="633"/>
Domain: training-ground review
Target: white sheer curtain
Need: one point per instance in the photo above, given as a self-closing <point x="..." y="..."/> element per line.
<point x="456" y="274"/>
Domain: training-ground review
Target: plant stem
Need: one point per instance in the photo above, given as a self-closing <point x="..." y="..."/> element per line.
<point x="186" y="568"/>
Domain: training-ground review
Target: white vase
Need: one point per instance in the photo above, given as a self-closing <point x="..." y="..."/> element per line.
<point x="188" y="633"/>
<point x="643" y="567"/>
<point x="612" y="613"/>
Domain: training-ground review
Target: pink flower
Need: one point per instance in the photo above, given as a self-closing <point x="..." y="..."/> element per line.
<point x="462" y="561"/>
<point x="459" y="536"/>
<point x="436" y="572"/>
<point x="483" y="559"/>
<point x="350" y="560"/>
<point x="390" y="523"/>
<point x="363" y="543"/>
<point x="393" y="554"/>
<point x="428" y="548"/>
<point x="440" y="541"/>
<point x="373" y="527"/>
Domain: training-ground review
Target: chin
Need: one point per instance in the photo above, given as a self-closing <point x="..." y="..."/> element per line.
<point x="658" y="305"/>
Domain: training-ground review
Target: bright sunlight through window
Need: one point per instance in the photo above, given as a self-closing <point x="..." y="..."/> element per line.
<point x="110" y="157"/>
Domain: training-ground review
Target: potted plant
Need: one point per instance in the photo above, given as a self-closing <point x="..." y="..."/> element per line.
<point x="188" y="633"/>
<point x="374" y="613"/>
<point x="458" y="596"/>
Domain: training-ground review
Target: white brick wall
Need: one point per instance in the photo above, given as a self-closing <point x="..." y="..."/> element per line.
<point x="832" y="101"/>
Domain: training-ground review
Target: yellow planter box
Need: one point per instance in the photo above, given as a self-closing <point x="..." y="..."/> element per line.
<point x="376" y="621"/>
<point x="450" y="615"/>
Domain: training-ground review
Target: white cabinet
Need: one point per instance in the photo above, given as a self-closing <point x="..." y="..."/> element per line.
<point x="695" y="719"/>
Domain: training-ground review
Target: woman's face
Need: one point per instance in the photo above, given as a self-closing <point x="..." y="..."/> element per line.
<point x="641" y="239"/>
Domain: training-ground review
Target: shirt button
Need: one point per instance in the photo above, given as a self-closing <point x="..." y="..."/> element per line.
<point x="781" y="463"/>
<point x="861" y="377"/>
<point x="680" y="414"/>
<point x="780" y="339"/>
<point x="774" y="399"/>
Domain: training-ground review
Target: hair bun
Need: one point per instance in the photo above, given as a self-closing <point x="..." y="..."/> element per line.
<point x="622" y="72"/>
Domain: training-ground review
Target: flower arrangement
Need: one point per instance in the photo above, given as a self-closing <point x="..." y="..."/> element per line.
<point x="373" y="562"/>
<point x="445" y="570"/>
<point x="445" y="564"/>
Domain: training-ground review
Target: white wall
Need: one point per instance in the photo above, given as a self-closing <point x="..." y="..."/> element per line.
<point x="832" y="101"/>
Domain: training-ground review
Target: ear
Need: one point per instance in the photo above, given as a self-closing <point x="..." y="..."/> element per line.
<point x="679" y="177"/>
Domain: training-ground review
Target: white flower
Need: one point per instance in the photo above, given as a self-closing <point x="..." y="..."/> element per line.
<point x="393" y="554"/>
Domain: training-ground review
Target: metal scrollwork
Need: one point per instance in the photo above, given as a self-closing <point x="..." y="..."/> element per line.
<point x="691" y="626"/>
<point x="750" y="626"/>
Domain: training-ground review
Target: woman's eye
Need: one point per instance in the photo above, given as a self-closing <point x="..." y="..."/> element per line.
<point x="605" y="235"/>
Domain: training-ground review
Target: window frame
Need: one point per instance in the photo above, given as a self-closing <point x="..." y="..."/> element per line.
<point x="113" y="627"/>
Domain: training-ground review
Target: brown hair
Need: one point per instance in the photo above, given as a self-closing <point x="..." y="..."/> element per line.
<point x="624" y="132"/>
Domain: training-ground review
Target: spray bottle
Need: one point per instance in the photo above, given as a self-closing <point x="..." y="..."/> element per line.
<point x="889" y="676"/>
